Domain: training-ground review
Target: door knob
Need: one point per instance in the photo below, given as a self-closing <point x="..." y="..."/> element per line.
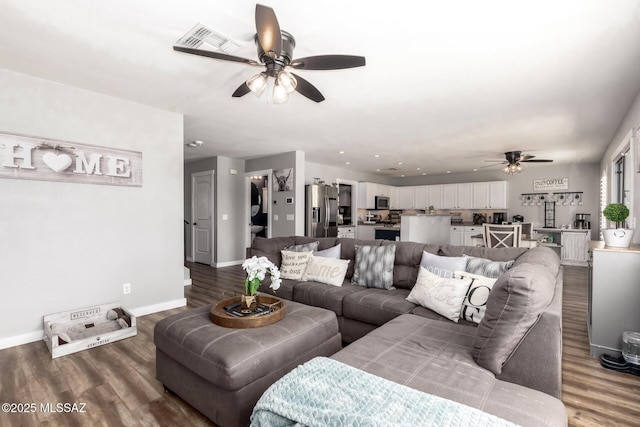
<point x="195" y="223"/>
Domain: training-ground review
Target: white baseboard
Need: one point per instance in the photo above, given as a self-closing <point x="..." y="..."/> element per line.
<point x="140" y="311"/>
<point x="227" y="263"/>
<point x="21" y="339"/>
<point x="154" y="308"/>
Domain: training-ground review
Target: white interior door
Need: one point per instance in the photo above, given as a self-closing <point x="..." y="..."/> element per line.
<point x="202" y="214"/>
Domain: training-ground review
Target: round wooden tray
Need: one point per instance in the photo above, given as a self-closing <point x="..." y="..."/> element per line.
<point x="220" y="317"/>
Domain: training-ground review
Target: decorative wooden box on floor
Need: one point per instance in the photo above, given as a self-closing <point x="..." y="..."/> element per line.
<point x="72" y="331"/>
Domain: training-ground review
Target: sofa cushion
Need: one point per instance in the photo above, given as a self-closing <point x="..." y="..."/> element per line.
<point x="294" y="264"/>
<point x="541" y="255"/>
<point x="348" y="247"/>
<point x="408" y="257"/>
<point x="516" y="301"/>
<point x="270" y="247"/>
<point x="376" y="306"/>
<point x="486" y="267"/>
<point x="430" y="314"/>
<point x="304" y="247"/>
<point x="325" y="296"/>
<point x="332" y="252"/>
<point x="494" y="254"/>
<point x="374" y="266"/>
<point x="444" y="296"/>
<point x="326" y="270"/>
<point x="435" y="357"/>
<point x="323" y="242"/>
<point x="475" y="301"/>
<point x="443" y="266"/>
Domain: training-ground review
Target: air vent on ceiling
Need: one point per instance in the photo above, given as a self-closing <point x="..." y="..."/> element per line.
<point x="201" y="34"/>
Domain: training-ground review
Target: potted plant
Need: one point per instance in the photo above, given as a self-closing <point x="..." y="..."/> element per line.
<point x="618" y="237"/>
<point x="257" y="269"/>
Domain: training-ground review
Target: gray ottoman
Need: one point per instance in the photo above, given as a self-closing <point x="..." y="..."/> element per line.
<point x="222" y="372"/>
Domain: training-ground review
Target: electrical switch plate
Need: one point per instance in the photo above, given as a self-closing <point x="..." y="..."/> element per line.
<point x="126" y="288"/>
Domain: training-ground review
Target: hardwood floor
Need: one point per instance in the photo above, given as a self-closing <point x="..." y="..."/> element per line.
<point x="117" y="381"/>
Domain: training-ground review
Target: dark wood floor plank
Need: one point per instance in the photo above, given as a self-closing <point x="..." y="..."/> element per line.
<point x="118" y="384"/>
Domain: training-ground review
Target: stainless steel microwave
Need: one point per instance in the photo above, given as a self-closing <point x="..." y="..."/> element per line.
<point x="382" y="202"/>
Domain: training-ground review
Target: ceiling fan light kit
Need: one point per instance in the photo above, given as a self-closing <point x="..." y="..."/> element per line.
<point x="513" y="160"/>
<point x="275" y="50"/>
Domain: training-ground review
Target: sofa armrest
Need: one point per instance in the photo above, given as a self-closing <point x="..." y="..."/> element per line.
<point x="537" y="361"/>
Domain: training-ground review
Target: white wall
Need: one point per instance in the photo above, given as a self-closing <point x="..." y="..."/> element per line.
<point x="229" y="200"/>
<point x="65" y="246"/>
<point x="282" y="226"/>
<point x="630" y="121"/>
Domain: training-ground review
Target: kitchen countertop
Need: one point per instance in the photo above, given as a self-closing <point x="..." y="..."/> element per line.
<point x="559" y="230"/>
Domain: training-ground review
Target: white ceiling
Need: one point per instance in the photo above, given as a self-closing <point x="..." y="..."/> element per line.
<point x="447" y="84"/>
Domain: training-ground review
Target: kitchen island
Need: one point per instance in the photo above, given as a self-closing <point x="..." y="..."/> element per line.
<point x="425" y="228"/>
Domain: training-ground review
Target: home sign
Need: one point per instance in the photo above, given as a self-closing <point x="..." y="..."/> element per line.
<point x="27" y="157"/>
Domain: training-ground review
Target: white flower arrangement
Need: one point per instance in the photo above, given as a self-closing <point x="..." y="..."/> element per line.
<point x="257" y="269"/>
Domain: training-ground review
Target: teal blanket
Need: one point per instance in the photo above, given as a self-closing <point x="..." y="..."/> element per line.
<point x="324" y="392"/>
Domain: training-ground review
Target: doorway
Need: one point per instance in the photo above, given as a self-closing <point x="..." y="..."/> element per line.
<point x="202" y="233"/>
<point x="259" y="201"/>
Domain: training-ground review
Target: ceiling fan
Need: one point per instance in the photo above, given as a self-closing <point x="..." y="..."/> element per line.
<point x="275" y="52"/>
<point x="513" y="160"/>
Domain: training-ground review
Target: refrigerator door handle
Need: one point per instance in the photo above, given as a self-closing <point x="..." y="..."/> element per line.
<point x="327" y="210"/>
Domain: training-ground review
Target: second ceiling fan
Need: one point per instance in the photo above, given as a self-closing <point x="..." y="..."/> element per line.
<point x="275" y="52"/>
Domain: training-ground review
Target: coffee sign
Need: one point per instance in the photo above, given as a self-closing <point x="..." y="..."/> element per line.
<point x="26" y="157"/>
<point x="550" y="184"/>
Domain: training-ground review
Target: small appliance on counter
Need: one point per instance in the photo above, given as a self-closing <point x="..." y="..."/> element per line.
<point x="499" y="217"/>
<point x="479" y="218"/>
<point x="518" y="218"/>
<point x="456" y="217"/>
<point x="583" y="221"/>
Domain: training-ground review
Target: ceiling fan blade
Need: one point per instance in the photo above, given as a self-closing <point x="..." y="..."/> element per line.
<point x="307" y="89"/>
<point x="328" y="62"/>
<point x="215" y="55"/>
<point x="268" y="31"/>
<point x="242" y="90"/>
<point x="537" y="161"/>
<point x="525" y="157"/>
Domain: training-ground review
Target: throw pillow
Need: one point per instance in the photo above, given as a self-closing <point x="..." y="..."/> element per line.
<point x="518" y="298"/>
<point x="486" y="267"/>
<point x="443" y="266"/>
<point x="374" y="266"/>
<point x="306" y="247"/>
<point x="444" y="296"/>
<point x="293" y="264"/>
<point x="475" y="302"/>
<point x="326" y="270"/>
<point x="332" y="252"/>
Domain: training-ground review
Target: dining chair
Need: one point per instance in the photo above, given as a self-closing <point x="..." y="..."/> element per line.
<point x="502" y="235"/>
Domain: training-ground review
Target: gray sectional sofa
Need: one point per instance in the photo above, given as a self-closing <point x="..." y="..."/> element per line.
<point x="508" y="365"/>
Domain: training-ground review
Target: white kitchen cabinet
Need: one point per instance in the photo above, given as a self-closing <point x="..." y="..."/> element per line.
<point x="480" y="195"/>
<point x="406" y="196"/>
<point x="489" y="195"/>
<point x="613" y="297"/>
<point x="456" y="196"/>
<point x="469" y="232"/>
<point x="434" y="196"/>
<point x="456" y="237"/>
<point x="366" y="232"/>
<point x="421" y="199"/>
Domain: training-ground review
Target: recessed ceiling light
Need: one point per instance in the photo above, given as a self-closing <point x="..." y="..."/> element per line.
<point x="347" y="163"/>
<point x="399" y="163"/>
<point x="424" y="173"/>
<point x="376" y="155"/>
<point x="475" y="170"/>
<point x="417" y="169"/>
<point x="340" y="152"/>
<point x="377" y="170"/>
<point x="194" y="144"/>
<point x="401" y="176"/>
<point x="448" y="171"/>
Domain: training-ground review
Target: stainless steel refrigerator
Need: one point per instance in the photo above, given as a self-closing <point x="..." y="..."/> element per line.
<point x="322" y="211"/>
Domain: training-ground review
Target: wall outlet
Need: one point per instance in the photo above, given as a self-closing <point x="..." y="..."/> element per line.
<point x="126" y="288"/>
<point x="275" y="217"/>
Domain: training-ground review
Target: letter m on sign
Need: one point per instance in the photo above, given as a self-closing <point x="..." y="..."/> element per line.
<point x="89" y="167"/>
